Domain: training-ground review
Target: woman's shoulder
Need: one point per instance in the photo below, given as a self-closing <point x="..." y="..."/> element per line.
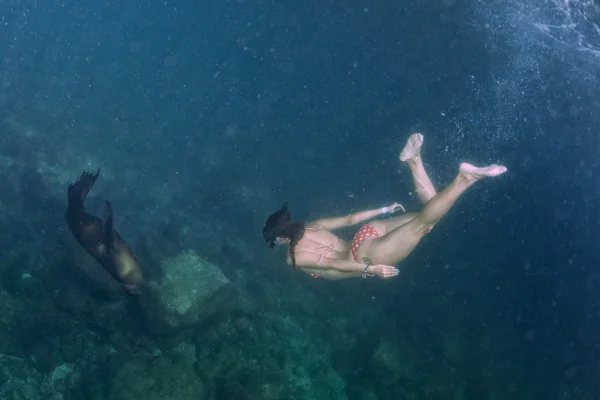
<point x="314" y="226"/>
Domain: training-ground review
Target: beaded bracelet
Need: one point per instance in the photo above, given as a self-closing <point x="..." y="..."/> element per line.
<point x="366" y="272"/>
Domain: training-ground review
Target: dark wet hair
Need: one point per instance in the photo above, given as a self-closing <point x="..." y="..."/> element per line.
<point x="280" y="224"/>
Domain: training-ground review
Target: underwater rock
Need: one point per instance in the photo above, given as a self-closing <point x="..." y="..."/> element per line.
<point x="267" y="357"/>
<point x="159" y="379"/>
<point x="72" y="301"/>
<point x="64" y="378"/>
<point x="11" y="310"/>
<point x="390" y="364"/>
<point x="17" y="379"/>
<point x="190" y="291"/>
<point x="20" y="381"/>
<point x="256" y="385"/>
<point x="368" y="395"/>
<point x="91" y="275"/>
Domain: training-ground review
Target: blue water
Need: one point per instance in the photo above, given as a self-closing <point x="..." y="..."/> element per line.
<point x="204" y="117"/>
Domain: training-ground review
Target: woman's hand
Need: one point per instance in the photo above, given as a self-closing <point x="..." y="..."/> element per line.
<point x="393" y="208"/>
<point x="383" y="271"/>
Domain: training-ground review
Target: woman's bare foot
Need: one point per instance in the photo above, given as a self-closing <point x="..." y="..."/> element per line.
<point x="473" y="173"/>
<point x="412" y="148"/>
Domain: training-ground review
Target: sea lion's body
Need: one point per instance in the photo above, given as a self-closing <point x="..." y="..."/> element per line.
<point x="100" y="239"/>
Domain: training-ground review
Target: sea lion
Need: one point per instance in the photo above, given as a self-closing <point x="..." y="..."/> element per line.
<point x="100" y="239"/>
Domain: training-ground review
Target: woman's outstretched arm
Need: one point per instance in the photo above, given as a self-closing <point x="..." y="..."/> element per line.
<point x="355" y="218"/>
<point x="313" y="261"/>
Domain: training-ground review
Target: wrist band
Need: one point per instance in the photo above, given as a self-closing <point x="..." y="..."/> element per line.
<point x="385" y="210"/>
<point x="366" y="272"/>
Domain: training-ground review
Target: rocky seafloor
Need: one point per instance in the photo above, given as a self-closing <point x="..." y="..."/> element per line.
<point x="221" y="317"/>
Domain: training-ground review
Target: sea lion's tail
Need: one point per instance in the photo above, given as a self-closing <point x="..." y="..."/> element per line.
<point x="79" y="190"/>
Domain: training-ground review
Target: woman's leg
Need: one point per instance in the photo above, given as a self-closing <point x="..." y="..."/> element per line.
<point x="411" y="154"/>
<point x="397" y="244"/>
<point x="383" y="226"/>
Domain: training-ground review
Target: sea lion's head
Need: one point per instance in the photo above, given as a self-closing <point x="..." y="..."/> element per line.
<point x="133" y="283"/>
<point x="128" y="272"/>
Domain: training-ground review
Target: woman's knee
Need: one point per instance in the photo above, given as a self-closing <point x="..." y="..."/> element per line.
<point x="425" y="230"/>
<point x="421" y="227"/>
<point x="428" y="229"/>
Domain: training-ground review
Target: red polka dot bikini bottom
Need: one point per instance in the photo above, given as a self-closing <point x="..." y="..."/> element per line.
<point x="364" y="232"/>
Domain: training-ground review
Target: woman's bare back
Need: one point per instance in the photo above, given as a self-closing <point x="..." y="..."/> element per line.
<point x="320" y="241"/>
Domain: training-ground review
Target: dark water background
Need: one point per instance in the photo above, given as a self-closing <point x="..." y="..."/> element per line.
<point x="206" y="116"/>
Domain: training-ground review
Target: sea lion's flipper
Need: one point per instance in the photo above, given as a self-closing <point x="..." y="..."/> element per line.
<point x="79" y="190"/>
<point x="109" y="233"/>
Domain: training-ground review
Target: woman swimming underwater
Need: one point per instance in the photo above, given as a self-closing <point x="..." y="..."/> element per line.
<point x="379" y="244"/>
